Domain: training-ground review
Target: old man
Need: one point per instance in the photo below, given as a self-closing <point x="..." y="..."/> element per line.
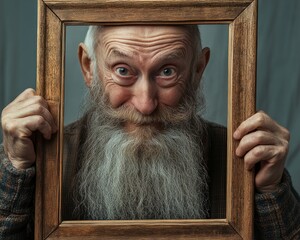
<point x="141" y="151"/>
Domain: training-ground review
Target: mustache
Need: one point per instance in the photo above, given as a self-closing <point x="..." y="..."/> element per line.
<point x="163" y="114"/>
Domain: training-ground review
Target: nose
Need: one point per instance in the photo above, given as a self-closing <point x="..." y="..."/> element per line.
<point x="145" y="97"/>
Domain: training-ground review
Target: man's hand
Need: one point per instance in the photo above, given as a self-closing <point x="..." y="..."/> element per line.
<point x="265" y="142"/>
<point x="20" y="119"/>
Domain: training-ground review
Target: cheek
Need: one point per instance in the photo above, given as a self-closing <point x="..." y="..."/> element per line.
<point x="171" y="97"/>
<point x="118" y="97"/>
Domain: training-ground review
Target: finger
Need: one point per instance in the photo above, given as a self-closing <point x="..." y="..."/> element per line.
<point x="24" y="127"/>
<point x="27" y="102"/>
<point x="254" y="139"/>
<point x="38" y="123"/>
<point x="31" y="110"/>
<point x="35" y="105"/>
<point x="24" y="99"/>
<point x="29" y="92"/>
<point x="259" y="120"/>
<point x="266" y="154"/>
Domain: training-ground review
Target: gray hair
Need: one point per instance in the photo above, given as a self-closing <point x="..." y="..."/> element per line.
<point x="147" y="174"/>
<point x="91" y="41"/>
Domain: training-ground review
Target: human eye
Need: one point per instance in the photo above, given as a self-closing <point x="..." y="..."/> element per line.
<point x="167" y="72"/>
<point x="123" y="75"/>
<point x="122" y="71"/>
<point x="167" y="76"/>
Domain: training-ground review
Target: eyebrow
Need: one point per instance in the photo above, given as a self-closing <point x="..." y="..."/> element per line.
<point x="175" y="54"/>
<point x="117" y="53"/>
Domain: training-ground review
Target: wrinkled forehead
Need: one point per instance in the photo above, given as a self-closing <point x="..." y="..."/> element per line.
<point x="144" y="30"/>
<point x="144" y="34"/>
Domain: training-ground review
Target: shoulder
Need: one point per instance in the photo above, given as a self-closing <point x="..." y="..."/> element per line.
<point x="216" y="152"/>
<point x="74" y="136"/>
<point x="75" y="127"/>
<point x="76" y="130"/>
<point x="215" y="139"/>
<point x="215" y="127"/>
<point x="216" y="133"/>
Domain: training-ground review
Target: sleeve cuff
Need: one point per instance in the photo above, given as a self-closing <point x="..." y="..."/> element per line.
<point x="16" y="187"/>
<point x="277" y="214"/>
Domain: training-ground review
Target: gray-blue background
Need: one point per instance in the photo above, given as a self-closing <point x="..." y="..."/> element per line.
<point x="278" y="75"/>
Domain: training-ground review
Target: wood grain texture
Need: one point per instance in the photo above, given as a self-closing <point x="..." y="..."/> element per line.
<point x="40" y="86"/>
<point x="54" y="4"/>
<point x="147" y="229"/>
<point x="123" y="12"/>
<point x="49" y="85"/>
<point x="53" y="16"/>
<point x="241" y="104"/>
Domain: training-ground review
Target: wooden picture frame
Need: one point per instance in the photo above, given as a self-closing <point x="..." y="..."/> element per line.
<point x="53" y="16"/>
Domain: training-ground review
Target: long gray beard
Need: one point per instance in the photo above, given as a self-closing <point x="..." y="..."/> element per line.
<point x="159" y="178"/>
<point x="149" y="174"/>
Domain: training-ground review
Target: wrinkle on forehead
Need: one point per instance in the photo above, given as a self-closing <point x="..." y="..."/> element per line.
<point x="146" y="31"/>
<point x="145" y="38"/>
<point x="159" y="56"/>
<point x="118" y="53"/>
<point x="166" y="51"/>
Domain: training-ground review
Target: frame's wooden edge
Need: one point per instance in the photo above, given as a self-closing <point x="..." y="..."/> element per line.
<point x="40" y="86"/>
<point x="126" y="10"/>
<point x="147" y="229"/>
<point x="125" y="3"/>
<point x="242" y="76"/>
<point x="48" y="195"/>
<point x="61" y="119"/>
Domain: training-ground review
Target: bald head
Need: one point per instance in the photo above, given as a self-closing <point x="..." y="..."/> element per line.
<point x="93" y="34"/>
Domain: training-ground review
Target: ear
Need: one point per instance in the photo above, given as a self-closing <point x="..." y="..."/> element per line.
<point x="202" y="63"/>
<point x="85" y="64"/>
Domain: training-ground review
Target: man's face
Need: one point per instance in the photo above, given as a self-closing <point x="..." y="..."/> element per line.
<point x="144" y="67"/>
